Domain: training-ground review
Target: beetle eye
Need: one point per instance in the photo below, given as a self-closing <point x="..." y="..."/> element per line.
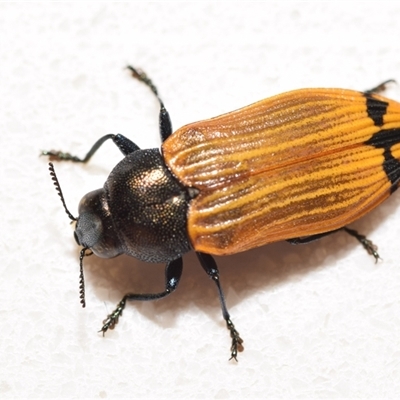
<point x="76" y="238"/>
<point x="89" y="229"/>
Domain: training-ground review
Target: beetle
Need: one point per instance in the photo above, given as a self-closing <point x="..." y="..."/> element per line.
<point x="294" y="167"/>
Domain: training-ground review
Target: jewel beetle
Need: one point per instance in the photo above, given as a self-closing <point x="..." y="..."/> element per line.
<point x="294" y="167"/>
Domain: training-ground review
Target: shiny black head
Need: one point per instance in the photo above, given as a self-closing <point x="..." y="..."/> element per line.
<point x="94" y="228"/>
<point x="141" y="211"/>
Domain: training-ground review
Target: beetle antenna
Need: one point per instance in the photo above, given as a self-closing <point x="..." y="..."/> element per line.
<point x="82" y="278"/>
<point x="59" y="191"/>
<point x="71" y="217"/>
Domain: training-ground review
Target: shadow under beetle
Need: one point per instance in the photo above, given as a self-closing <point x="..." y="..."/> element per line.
<point x="295" y="167"/>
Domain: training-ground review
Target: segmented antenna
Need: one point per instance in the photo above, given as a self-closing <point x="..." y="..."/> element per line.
<point x="81" y="278"/>
<point x="71" y="217"/>
<point x="59" y="191"/>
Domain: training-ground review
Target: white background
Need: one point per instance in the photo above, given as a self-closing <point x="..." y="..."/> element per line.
<point x="319" y="321"/>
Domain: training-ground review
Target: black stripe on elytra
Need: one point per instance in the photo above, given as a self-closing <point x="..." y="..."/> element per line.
<point x="376" y="109"/>
<point x="385" y="139"/>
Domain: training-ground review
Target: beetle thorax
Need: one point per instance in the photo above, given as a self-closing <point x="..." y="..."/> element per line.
<point x="148" y="207"/>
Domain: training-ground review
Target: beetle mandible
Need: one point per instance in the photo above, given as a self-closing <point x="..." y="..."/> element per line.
<point x="295" y="167"/>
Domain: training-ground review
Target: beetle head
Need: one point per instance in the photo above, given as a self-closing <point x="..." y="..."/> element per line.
<point x="94" y="228"/>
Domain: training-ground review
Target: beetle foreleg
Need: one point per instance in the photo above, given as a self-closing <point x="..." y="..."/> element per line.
<point x="173" y="273"/>
<point x="164" y="119"/>
<point x="210" y="266"/>
<point x="124" y="144"/>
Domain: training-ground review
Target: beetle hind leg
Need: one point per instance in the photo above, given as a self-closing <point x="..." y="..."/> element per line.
<point x="312" y="238"/>
<point x="381" y="87"/>
<point x="173" y="273"/>
<point x="368" y="245"/>
<point x="210" y="266"/>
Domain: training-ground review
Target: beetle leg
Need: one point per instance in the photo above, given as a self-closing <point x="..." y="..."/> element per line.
<point x="164" y="119"/>
<point x="164" y="123"/>
<point x="173" y="273"/>
<point x="142" y="77"/>
<point x="366" y="243"/>
<point x="381" y="87"/>
<point x="210" y="266"/>
<point x="124" y="144"/>
<point x="309" y="239"/>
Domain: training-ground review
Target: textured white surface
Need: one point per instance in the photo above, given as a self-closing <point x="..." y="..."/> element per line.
<point x="319" y="321"/>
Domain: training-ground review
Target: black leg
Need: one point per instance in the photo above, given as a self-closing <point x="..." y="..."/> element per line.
<point x="381" y="87"/>
<point x="209" y="265"/>
<point x="173" y="273"/>
<point x="124" y="144"/>
<point x="165" y="124"/>
<point x="309" y="239"/>
<point x="164" y="119"/>
<point x="366" y="243"/>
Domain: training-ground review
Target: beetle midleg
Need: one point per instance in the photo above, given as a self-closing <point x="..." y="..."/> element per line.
<point x="164" y="119"/>
<point x="173" y="273"/>
<point x="124" y="144"/>
<point x="210" y="266"/>
<point x="366" y="243"/>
